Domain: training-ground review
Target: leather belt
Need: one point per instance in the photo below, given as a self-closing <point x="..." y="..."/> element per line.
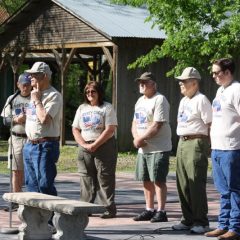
<point x="44" y="139"/>
<point x="190" y="137"/>
<point x="89" y="142"/>
<point x="22" y="135"/>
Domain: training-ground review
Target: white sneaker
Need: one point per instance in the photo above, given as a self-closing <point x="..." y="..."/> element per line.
<point x="199" y="229"/>
<point x="180" y="226"/>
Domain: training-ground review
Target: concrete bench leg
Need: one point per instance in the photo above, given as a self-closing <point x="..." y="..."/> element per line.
<point x="70" y="227"/>
<point x="34" y="223"/>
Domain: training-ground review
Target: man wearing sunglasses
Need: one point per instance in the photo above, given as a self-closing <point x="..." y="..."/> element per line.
<point x="43" y="121"/>
<point x="225" y="141"/>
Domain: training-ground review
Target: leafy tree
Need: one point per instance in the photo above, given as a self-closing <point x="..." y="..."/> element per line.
<point x="11" y="5"/>
<point x="197" y="31"/>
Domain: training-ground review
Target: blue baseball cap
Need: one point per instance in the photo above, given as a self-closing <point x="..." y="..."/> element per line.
<point x="24" y="79"/>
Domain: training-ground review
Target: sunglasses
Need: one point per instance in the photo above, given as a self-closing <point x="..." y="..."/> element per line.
<point x="36" y="75"/>
<point x="216" y="73"/>
<point x="91" y="92"/>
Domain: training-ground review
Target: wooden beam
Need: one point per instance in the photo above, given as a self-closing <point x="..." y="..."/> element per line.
<point x="69" y="59"/>
<point x="63" y="61"/>
<point x="85" y="64"/>
<point x="16" y="61"/>
<point x="72" y="45"/>
<point x="108" y="56"/>
<point x="114" y="77"/>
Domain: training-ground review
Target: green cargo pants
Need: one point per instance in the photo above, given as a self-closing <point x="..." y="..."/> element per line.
<point x="191" y="172"/>
<point x="97" y="174"/>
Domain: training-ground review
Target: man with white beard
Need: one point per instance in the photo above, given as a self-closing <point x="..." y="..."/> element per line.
<point x="152" y="136"/>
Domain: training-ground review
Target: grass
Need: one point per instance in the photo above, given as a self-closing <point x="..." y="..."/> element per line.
<point x="68" y="162"/>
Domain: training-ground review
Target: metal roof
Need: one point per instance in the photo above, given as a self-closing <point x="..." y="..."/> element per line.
<point x="111" y="19"/>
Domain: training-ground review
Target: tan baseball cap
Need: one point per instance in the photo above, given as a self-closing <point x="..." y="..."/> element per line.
<point x="188" y="73"/>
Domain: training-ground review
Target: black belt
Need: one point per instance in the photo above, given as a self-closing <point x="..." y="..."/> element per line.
<point x="191" y="137"/>
<point x="44" y="139"/>
<point x="89" y="142"/>
<point x="22" y="135"/>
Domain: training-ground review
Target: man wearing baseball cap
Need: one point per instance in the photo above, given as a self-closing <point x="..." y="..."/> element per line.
<point x="14" y="111"/>
<point x="152" y="137"/>
<point x="43" y="123"/>
<point x="194" y="120"/>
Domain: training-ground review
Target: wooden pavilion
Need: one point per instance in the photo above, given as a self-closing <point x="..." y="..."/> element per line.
<point x="70" y="28"/>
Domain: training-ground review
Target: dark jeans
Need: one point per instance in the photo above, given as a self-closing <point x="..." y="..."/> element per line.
<point x="40" y="166"/>
<point x="97" y="174"/>
<point x="226" y="176"/>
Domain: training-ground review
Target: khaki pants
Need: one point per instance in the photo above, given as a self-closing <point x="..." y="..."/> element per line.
<point x="192" y="163"/>
<point x="97" y="174"/>
<point x="17" y="144"/>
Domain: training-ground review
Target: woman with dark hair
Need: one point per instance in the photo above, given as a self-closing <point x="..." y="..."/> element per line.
<point x="93" y="129"/>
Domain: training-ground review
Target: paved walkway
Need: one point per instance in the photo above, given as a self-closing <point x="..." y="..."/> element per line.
<point x="130" y="201"/>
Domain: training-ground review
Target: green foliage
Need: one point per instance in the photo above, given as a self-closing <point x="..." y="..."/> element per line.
<point x="11" y="5"/>
<point x="197" y="31"/>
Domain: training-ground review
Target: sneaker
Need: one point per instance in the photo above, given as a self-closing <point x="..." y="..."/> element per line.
<point x="14" y="207"/>
<point x="144" y="216"/>
<point x="107" y="215"/>
<point x="159" y="216"/>
<point x="180" y="227"/>
<point x="199" y="229"/>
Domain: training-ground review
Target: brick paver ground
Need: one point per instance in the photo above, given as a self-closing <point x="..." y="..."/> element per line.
<point x="130" y="201"/>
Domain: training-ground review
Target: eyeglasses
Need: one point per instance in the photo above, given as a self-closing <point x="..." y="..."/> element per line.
<point x="185" y="81"/>
<point x="37" y="75"/>
<point x="216" y="73"/>
<point x="90" y="91"/>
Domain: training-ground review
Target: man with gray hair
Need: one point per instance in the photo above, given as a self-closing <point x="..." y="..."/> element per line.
<point x="152" y="136"/>
<point x="43" y="124"/>
<point x="194" y="120"/>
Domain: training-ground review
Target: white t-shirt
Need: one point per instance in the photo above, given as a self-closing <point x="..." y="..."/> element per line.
<point x="225" y="130"/>
<point x="193" y="115"/>
<point x="19" y="105"/>
<point x="147" y="111"/>
<point x="52" y="102"/>
<point x="92" y="120"/>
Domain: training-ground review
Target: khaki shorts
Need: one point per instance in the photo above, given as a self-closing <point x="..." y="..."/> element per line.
<point x="152" y="167"/>
<point x="17" y="154"/>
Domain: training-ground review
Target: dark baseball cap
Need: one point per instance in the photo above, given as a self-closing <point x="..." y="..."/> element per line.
<point x="24" y="78"/>
<point x="146" y="77"/>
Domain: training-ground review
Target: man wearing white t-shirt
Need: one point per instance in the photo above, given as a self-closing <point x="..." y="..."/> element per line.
<point x="43" y="123"/>
<point x="225" y="141"/>
<point x="152" y="136"/>
<point x="194" y="119"/>
<point x="14" y="112"/>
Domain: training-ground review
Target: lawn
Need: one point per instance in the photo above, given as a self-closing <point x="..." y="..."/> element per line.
<point x="68" y="163"/>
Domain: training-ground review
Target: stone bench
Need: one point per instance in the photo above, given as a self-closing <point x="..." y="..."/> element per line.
<point x="35" y="209"/>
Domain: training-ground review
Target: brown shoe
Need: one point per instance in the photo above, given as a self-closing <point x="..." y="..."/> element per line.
<point x="215" y="233"/>
<point x="229" y="236"/>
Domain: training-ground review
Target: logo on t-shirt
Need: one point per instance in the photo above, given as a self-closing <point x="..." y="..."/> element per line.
<point x="31" y="112"/>
<point x="91" y="119"/>
<point x="216" y="105"/>
<point x="182" y="117"/>
<point x="141" y="117"/>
